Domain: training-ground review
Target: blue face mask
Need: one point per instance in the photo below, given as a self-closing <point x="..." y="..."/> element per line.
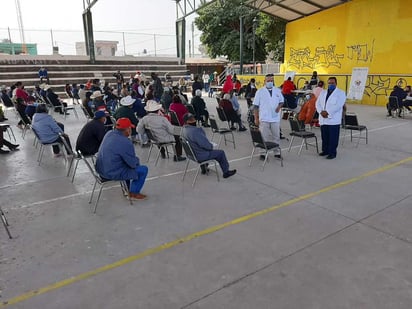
<point x="269" y="85"/>
<point x="331" y="87"/>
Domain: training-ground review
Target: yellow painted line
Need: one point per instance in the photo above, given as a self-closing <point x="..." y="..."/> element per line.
<point x="210" y="230"/>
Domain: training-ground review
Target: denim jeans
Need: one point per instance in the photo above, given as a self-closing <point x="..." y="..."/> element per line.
<point x="137" y="184"/>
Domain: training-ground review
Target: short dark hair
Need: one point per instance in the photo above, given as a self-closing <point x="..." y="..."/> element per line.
<point x="269" y="75"/>
<point x="41" y="108"/>
<point x="334" y="78"/>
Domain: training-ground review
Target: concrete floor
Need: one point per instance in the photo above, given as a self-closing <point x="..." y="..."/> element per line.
<point x="314" y="234"/>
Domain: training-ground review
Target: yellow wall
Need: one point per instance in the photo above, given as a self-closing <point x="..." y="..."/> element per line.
<point x="360" y="33"/>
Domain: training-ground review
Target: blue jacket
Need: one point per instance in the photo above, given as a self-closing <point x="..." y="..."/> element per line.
<point x="116" y="159"/>
<point x="198" y="141"/>
<point x="46" y="127"/>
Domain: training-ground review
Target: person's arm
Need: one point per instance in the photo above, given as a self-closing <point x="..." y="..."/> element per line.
<point x="256" y="104"/>
<point x="202" y="141"/>
<point x="281" y="101"/>
<point x="129" y="155"/>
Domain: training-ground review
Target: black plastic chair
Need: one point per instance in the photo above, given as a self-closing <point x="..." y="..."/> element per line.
<point x="174" y="119"/>
<point x="258" y="142"/>
<point x="297" y="130"/>
<point x="352" y="124"/>
<point x="222" y="116"/>
<point x="221" y="131"/>
<point x="192" y="157"/>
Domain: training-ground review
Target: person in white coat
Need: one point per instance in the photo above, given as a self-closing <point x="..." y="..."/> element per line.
<point x="267" y="105"/>
<point x="329" y="105"/>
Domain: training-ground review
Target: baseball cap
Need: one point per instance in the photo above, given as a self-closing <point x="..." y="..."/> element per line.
<point x="99" y="114"/>
<point x="124" y="123"/>
<point x="189" y="118"/>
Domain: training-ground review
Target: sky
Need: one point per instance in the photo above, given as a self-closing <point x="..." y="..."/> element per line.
<point x="144" y="24"/>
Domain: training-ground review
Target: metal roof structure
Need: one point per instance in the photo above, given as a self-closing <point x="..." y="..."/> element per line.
<point x="288" y="10"/>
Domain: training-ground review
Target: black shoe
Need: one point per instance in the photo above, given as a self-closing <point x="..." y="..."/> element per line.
<point x="278" y="156"/>
<point x="322" y="154"/>
<point x="232" y="128"/>
<point x="14" y="147"/>
<point x="206" y="125"/>
<point x="330" y="157"/>
<point x="178" y="158"/>
<point x="262" y="157"/>
<point x="242" y="129"/>
<point x="2" y="151"/>
<point x="229" y="173"/>
<point x="282" y="137"/>
<point x="204" y="169"/>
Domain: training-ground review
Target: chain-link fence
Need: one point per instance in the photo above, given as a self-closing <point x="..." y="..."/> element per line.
<point x="108" y="43"/>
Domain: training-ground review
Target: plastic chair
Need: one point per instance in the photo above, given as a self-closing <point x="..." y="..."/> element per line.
<point x="298" y="130"/>
<point x="258" y="142"/>
<point x="352" y="124"/>
<point x="159" y="145"/>
<point x="174" y="119"/>
<point x="192" y="157"/>
<point x="222" y="116"/>
<point x="102" y="182"/>
<point x="221" y="131"/>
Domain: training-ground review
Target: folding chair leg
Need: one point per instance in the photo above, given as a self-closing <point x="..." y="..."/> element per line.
<point x="197" y="173"/>
<point x="251" y="156"/>
<point x="98" y="198"/>
<point x="187" y="165"/>
<point x="290" y="143"/>
<point x="91" y="195"/>
<point x="150" y="151"/>
<point x="74" y="170"/>
<point x="301" y="146"/>
<point x="5" y="222"/>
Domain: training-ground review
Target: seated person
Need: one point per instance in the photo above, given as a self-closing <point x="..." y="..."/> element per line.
<point x="87" y="103"/>
<point x="407" y="102"/>
<point x="202" y="148"/>
<point x="117" y="160"/>
<point x="126" y="111"/>
<point x="178" y="107"/>
<point x="21" y="109"/>
<point x="138" y="107"/>
<point x="55" y="100"/>
<point x="401" y="95"/>
<point x="318" y="89"/>
<point x="161" y="128"/>
<point x="230" y="113"/>
<point x="5" y="97"/>
<point x="308" y="110"/>
<point x="43" y="75"/>
<point x="199" y="106"/>
<point x="98" y="102"/>
<point x="91" y="135"/>
<point x="290" y="98"/>
<point x="4" y="142"/>
<point x="48" y="130"/>
<point x="166" y="99"/>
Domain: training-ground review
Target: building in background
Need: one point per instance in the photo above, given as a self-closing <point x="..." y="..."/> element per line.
<point x="18" y="48"/>
<point x="102" y="48"/>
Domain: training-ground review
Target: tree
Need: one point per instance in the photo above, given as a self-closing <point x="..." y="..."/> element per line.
<point x="220" y="26"/>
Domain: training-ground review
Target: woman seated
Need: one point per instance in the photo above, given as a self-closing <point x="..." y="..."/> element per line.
<point x="230" y="113"/>
<point x="308" y="110"/>
<point x="199" y="106"/>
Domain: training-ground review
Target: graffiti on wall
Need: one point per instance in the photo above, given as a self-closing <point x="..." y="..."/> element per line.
<point x="305" y="58"/>
<point x="361" y="52"/>
<point x="379" y="87"/>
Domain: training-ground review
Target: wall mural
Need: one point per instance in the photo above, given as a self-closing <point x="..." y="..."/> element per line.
<point x="326" y="57"/>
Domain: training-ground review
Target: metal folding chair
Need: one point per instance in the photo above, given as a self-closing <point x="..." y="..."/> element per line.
<point x="192" y="157"/>
<point x="5" y="222"/>
<point x="221" y="131"/>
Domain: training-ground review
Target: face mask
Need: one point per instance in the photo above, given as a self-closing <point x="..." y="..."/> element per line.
<point x="269" y="85"/>
<point x="331" y="87"/>
<point x="192" y="124"/>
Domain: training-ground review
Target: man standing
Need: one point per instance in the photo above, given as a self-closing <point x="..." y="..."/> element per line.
<point x="267" y="106"/>
<point x="116" y="159"/>
<point x="329" y="105"/>
<point x="202" y="148"/>
<point x="119" y="81"/>
<point x="157" y="87"/>
<point x="205" y="78"/>
<point x="91" y="135"/>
